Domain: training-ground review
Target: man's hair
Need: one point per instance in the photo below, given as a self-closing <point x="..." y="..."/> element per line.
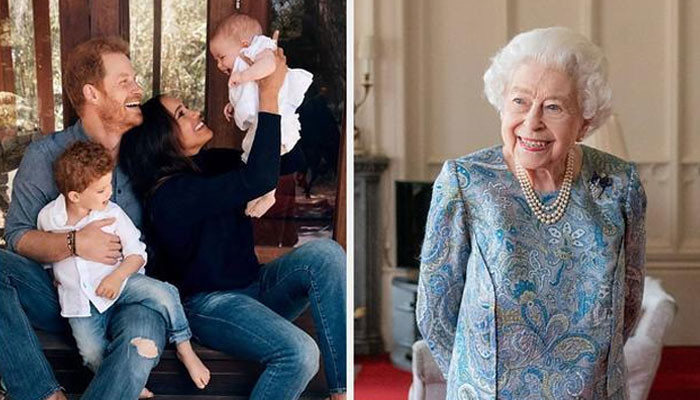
<point x="84" y="66"/>
<point x="238" y="26"/>
<point x="80" y="165"/>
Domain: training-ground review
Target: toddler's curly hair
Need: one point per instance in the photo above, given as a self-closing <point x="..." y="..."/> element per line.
<point x="80" y="165"/>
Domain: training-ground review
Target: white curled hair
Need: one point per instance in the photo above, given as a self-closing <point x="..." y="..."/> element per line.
<point x="561" y="48"/>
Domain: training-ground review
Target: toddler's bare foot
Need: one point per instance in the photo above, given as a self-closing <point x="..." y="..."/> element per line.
<point x="258" y="207"/>
<point x="57" y="395"/>
<point x="146" y="394"/>
<point x="198" y="371"/>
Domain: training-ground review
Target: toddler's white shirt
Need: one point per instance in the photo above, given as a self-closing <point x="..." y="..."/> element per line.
<point x="245" y="101"/>
<point x="77" y="277"/>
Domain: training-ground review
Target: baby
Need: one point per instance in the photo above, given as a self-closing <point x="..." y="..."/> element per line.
<point x="246" y="55"/>
<point x="87" y="290"/>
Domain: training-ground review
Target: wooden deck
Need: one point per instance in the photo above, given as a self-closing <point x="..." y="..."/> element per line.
<point x="230" y="378"/>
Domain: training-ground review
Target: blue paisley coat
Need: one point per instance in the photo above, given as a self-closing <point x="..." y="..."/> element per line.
<point x="515" y="309"/>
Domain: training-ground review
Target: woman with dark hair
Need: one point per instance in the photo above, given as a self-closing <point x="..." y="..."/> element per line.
<point x="194" y="203"/>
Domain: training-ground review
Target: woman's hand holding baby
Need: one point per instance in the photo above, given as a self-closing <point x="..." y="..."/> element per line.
<point x="271" y="84"/>
<point x="235" y="78"/>
<point x="228" y="111"/>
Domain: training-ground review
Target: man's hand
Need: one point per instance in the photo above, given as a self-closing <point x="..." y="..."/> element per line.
<point x="92" y="243"/>
<point x="110" y="285"/>
<point x="228" y="111"/>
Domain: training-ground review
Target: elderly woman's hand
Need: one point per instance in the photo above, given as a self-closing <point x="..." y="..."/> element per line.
<point x="271" y="84"/>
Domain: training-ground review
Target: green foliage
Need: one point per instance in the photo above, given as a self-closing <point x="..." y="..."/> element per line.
<point x="18" y="32"/>
<point x="184" y="51"/>
<point x="183" y="48"/>
<point x="141" y="43"/>
<point x="21" y="34"/>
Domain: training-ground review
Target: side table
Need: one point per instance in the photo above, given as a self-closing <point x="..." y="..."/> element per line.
<point x="405" y="330"/>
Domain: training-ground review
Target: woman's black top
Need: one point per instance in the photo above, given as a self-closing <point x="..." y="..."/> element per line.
<point x="202" y="239"/>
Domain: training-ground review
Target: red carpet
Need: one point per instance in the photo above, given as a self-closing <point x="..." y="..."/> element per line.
<point x="678" y="377"/>
<point x="380" y="380"/>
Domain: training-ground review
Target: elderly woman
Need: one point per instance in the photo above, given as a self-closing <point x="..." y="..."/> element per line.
<point x="533" y="262"/>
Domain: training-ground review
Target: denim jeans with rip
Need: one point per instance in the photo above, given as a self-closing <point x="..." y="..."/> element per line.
<point x="28" y="300"/>
<point x="90" y="333"/>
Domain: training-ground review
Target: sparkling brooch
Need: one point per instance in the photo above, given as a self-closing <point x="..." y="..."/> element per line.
<point x="598" y="184"/>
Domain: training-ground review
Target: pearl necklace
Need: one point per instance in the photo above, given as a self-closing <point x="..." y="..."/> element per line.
<point x="547" y="214"/>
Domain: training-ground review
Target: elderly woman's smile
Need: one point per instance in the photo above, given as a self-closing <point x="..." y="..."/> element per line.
<point x="541" y="120"/>
<point x="533" y="144"/>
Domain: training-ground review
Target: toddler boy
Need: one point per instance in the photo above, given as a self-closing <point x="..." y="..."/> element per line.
<point x="87" y="290"/>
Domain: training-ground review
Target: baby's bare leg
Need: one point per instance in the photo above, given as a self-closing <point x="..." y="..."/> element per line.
<point x="258" y="207"/>
<point x="198" y="371"/>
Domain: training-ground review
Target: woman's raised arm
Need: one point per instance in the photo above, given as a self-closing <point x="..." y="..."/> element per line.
<point x="190" y="197"/>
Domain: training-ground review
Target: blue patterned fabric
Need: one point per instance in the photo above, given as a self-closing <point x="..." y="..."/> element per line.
<point x="515" y="309"/>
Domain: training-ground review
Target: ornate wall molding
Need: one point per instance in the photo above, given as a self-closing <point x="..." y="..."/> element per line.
<point x="657" y="172"/>
<point x="370" y="164"/>
<point x="367" y="251"/>
<point x="690" y="173"/>
<point x="689" y="195"/>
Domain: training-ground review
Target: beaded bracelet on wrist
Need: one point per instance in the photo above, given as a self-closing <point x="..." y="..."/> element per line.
<point x="70" y="238"/>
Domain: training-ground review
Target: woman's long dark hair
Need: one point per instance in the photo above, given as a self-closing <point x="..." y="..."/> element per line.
<point x="150" y="153"/>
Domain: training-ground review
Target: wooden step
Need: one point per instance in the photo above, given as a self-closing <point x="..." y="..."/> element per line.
<point x="230" y="378"/>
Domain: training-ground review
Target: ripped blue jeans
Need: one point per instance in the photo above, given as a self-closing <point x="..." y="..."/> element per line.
<point x="90" y="333"/>
<point x="28" y="300"/>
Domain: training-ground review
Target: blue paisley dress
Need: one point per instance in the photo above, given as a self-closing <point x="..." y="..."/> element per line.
<point x="515" y="309"/>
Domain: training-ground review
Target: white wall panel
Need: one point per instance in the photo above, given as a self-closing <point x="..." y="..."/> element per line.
<point x="531" y="14"/>
<point x="690" y="199"/>
<point x="633" y="36"/>
<point x="682" y="283"/>
<point x="461" y="37"/>
<point x="656" y="179"/>
<point x="690" y="76"/>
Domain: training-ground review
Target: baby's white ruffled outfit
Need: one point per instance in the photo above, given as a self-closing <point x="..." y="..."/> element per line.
<point x="245" y="101"/>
